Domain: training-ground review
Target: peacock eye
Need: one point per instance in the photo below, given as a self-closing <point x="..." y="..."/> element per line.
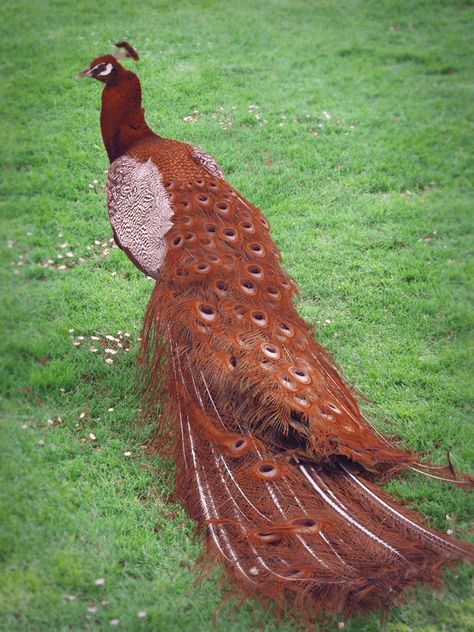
<point x="102" y="70"/>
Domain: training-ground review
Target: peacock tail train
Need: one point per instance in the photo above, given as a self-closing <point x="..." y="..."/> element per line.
<point x="274" y="460"/>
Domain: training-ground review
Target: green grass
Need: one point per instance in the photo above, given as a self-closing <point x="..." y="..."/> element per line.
<point x="371" y="205"/>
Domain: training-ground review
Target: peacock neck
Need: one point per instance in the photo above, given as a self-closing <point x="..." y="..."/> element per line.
<point x="122" y="118"/>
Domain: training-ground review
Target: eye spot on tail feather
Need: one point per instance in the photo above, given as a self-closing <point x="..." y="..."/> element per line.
<point x="267" y="470"/>
<point x="206" y="312"/>
<point x="271" y="351"/>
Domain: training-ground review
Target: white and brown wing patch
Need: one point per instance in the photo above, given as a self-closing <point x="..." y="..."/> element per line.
<point x="140" y="212"/>
<point x="207" y="161"/>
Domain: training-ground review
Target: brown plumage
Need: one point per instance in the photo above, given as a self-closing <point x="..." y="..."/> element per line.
<point x="274" y="460"/>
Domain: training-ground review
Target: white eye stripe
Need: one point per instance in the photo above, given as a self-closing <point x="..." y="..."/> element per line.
<point x="107" y="71"/>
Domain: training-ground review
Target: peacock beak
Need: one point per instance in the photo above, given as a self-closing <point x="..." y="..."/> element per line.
<point x="87" y="72"/>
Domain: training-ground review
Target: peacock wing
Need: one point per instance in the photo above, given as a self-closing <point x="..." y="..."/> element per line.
<point x="140" y="212"/>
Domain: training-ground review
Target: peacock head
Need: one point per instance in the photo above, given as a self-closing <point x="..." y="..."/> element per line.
<point x="107" y="67"/>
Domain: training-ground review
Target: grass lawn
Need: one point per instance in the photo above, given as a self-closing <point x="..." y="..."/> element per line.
<point x="350" y="124"/>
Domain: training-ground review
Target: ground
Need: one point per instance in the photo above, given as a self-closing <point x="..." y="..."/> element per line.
<point x="350" y="124"/>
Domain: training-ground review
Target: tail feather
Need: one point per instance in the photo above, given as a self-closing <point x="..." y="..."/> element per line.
<point x="291" y="529"/>
<point x="407" y="522"/>
<point x="334" y="427"/>
<point x="314" y="543"/>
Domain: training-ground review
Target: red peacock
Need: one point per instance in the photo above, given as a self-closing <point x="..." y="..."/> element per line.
<point x="274" y="460"/>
